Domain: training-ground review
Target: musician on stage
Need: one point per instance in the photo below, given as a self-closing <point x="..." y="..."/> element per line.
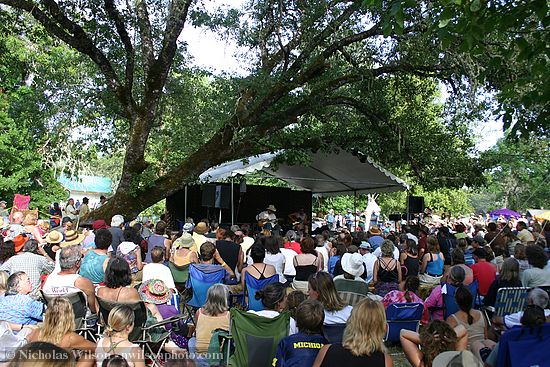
<point x="299" y="221"/>
<point x="267" y="216"/>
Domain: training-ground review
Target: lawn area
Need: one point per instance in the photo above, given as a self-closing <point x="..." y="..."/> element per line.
<point x="397" y="355"/>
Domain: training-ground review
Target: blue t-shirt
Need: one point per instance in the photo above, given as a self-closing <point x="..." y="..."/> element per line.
<point x="298" y="350"/>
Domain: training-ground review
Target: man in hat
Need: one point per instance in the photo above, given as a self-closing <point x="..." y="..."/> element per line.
<point x="117" y="222"/>
<point x="30" y="263"/>
<point x="267" y="216"/>
<point x="374" y="235"/>
<point x="199" y="235"/>
<point x="68" y="280"/>
<point x="484" y="271"/>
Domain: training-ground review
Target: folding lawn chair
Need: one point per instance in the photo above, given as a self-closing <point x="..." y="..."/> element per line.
<point x="86" y="323"/>
<point x="255" y="337"/>
<point x="252" y="286"/>
<point x="334" y="333"/>
<point x="450" y="306"/>
<point x="509" y="300"/>
<point x="200" y="279"/>
<point x="351" y="298"/>
<point x="402" y="316"/>
<point x="524" y="347"/>
<point x="142" y="334"/>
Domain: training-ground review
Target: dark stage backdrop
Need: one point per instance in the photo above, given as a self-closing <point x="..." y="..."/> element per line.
<point x="247" y="204"/>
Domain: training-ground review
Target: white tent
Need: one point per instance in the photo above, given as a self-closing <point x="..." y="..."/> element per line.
<point x="328" y="174"/>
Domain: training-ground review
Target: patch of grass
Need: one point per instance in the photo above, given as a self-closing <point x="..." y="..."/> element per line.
<point x="398" y="356"/>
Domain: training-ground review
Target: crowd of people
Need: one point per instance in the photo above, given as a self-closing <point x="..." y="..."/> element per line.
<point x="414" y="262"/>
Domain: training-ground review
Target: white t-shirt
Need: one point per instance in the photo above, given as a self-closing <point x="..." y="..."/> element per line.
<point x="514" y="319"/>
<point x="158" y="271"/>
<point x="270" y="314"/>
<point x="289" y="261"/>
<point x="369" y="259"/>
<point x="337" y="317"/>
<point x="323" y="251"/>
<point x="278" y="262"/>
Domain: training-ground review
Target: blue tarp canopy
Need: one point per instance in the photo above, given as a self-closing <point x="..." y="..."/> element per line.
<point x="87" y="184"/>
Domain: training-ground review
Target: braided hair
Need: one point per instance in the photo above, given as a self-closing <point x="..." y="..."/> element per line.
<point x="464" y="300"/>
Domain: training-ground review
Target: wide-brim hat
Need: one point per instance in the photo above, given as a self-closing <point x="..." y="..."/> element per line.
<point x="375" y="231"/>
<point x="72" y="238"/>
<point x="154" y="291"/>
<point x="54" y="237"/>
<point x="271" y="207"/>
<point x="353" y="264"/>
<point x="201" y="228"/>
<point x="453" y="358"/>
<point x="99" y="223"/>
<point x="186" y="241"/>
<point x="19" y="241"/>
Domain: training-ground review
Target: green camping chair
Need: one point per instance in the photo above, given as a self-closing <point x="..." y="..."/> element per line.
<point x="256" y="338"/>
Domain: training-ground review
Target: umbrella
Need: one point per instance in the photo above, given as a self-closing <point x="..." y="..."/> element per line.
<point x="543" y="216"/>
<point x="505" y="213"/>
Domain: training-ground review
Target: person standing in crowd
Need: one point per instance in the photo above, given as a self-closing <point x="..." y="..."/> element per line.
<point x="117" y="223"/>
<point x="84" y="209"/>
<point x="71" y="211"/>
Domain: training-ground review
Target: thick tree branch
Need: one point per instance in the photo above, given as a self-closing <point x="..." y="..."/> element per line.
<point x="115" y="16"/>
<point x="146" y="35"/>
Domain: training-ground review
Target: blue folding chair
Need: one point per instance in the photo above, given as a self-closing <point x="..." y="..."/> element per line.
<point x="524" y="347"/>
<point x="510" y="300"/>
<point x="402" y="316"/>
<point x="449" y="302"/>
<point x="253" y="285"/>
<point x="200" y="279"/>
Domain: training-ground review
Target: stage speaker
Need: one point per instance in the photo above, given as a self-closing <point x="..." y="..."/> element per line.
<point x="395" y="217"/>
<point x="416" y="204"/>
<point x="216" y="196"/>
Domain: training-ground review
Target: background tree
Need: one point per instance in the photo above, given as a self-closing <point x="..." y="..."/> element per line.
<point x="323" y="68"/>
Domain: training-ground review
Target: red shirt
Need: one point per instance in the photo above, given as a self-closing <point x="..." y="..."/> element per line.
<point x="485" y="273"/>
<point x="294" y="246"/>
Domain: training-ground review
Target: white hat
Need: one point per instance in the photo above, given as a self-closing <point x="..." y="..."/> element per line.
<point x="353" y="264"/>
<point x="117" y="220"/>
<point x="453" y="358"/>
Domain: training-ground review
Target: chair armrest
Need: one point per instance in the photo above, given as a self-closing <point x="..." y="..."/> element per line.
<point x="165" y="322"/>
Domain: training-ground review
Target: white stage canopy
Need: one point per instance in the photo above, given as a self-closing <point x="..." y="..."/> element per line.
<point x="328" y="174"/>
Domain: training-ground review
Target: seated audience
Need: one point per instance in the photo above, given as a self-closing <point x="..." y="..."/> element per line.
<point x="209" y="254"/>
<point x="59" y="329"/>
<point x="68" y="280"/>
<point x="292" y="243"/>
<point x="437" y="337"/>
<point x="362" y="344"/>
<point x="258" y="269"/>
<point x="157" y="270"/>
<point x="472" y="320"/>
<point x="17" y="305"/>
<point x="230" y="252"/>
<point x="274" y="256"/>
<point x="273" y="298"/>
<point x="39" y="354"/>
<point x="119" y="326"/>
<point x="117" y="286"/>
<point x="158" y="239"/>
<point x="433" y="262"/>
<point x="387" y="270"/>
<point x="293" y="300"/>
<point x="484" y="272"/>
<point x="407" y="295"/>
<point x="351" y="281"/>
<point x="182" y="254"/>
<point x="435" y="299"/>
<point x="306" y="263"/>
<point x="539" y="274"/>
<point x="130" y="251"/>
<point x="95" y="261"/>
<point x="301" y="348"/>
<point x="321" y="287"/>
<point x="409" y="258"/>
<point x="457" y="259"/>
<point x="30" y="263"/>
<point x="213" y="315"/>
<point x="537" y="297"/>
<point x="507" y="277"/>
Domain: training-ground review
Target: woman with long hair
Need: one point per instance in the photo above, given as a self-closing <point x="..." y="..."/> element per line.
<point x="30" y="225"/>
<point x="363" y="341"/>
<point x="119" y="326"/>
<point x="213" y="315"/>
<point x="409" y="258"/>
<point x="274" y="256"/>
<point x="472" y="320"/>
<point x="306" y="263"/>
<point x="437" y="337"/>
<point x="433" y="260"/>
<point x="321" y="287"/>
<point x="507" y="277"/>
<point x="59" y="328"/>
<point x="274" y="300"/>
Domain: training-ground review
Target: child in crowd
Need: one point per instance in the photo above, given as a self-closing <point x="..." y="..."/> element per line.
<point x="301" y="349"/>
